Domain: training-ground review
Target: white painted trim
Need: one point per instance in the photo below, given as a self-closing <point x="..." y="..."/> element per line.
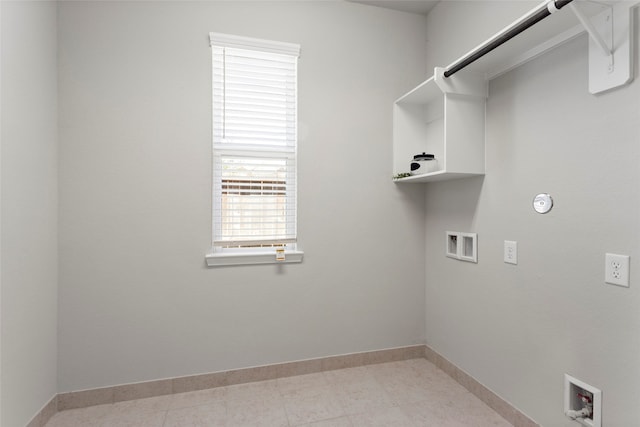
<point x="226" y="259"/>
<point x="240" y="42"/>
<point x="1" y="400"/>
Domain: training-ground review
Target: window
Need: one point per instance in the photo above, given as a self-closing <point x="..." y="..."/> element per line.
<point x="254" y="150"/>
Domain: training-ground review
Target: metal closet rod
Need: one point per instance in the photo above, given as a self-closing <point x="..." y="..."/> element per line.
<point x="534" y="17"/>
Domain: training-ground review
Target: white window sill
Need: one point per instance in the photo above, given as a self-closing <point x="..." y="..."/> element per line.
<point x="222" y="259"/>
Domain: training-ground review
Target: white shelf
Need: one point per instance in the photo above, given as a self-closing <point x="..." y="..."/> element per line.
<point x="424" y="93"/>
<point x="436" y="176"/>
<point x="444" y="117"/>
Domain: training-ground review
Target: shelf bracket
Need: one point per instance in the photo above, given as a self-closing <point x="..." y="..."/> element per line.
<point x="610" y="45"/>
<point x="605" y="45"/>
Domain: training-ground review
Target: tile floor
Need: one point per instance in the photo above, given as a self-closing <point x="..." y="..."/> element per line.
<point x="398" y="394"/>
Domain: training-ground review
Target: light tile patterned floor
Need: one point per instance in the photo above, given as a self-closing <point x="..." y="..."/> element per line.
<point x="398" y="394"/>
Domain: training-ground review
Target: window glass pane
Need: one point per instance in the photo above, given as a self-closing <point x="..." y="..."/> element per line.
<point x="257" y="199"/>
<point x="254" y="135"/>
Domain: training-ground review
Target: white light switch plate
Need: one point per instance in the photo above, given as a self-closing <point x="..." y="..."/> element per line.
<point x="616" y="270"/>
<point x="510" y="252"/>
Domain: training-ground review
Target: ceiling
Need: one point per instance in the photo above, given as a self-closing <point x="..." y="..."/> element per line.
<point x="421" y="7"/>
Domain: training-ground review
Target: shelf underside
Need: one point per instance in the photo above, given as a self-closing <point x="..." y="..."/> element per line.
<point x="435" y="176"/>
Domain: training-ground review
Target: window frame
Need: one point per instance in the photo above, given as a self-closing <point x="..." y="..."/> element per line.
<point x="225" y="256"/>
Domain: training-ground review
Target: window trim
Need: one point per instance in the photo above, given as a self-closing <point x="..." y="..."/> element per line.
<point x="241" y="42"/>
<point x="218" y="259"/>
<point x="217" y="256"/>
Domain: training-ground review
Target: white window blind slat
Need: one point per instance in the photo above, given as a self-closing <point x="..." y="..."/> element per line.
<point x="254" y="136"/>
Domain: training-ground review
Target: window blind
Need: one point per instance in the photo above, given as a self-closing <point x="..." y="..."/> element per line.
<point x="254" y="142"/>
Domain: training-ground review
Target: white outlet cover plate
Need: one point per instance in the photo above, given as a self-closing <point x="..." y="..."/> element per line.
<point x="510" y="252"/>
<point x="616" y="270"/>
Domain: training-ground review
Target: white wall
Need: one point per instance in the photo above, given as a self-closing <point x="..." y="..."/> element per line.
<point x="518" y="329"/>
<point x="456" y="27"/>
<point x="29" y="267"/>
<point x="136" y="300"/>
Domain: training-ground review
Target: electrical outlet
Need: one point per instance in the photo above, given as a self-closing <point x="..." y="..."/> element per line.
<point x="510" y="252"/>
<point x="616" y="269"/>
